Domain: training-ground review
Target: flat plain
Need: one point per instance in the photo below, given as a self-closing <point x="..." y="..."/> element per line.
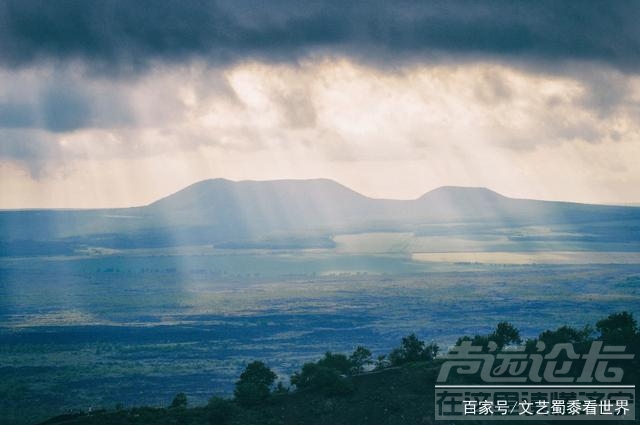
<point x="136" y="327"/>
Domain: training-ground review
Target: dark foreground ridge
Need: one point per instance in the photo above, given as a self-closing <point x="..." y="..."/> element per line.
<point x="398" y="388"/>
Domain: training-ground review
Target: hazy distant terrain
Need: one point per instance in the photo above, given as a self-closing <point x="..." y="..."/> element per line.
<point x="131" y="306"/>
<point x="310" y="213"/>
<point x="137" y="329"/>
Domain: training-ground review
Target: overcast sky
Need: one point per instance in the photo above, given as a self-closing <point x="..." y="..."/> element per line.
<point x="117" y="103"/>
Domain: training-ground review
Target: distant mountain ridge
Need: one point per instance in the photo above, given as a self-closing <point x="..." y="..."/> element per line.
<point x="221" y="211"/>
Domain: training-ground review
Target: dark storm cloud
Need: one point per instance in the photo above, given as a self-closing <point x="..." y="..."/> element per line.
<point x="62" y="106"/>
<point x="34" y="149"/>
<point x="16" y="115"/>
<point x="121" y="34"/>
<point x="65" y="111"/>
<point x="57" y="112"/>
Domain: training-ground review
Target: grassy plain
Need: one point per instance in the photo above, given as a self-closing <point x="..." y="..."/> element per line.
<point x="135" y="328"/>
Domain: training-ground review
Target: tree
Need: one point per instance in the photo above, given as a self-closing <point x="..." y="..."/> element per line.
<point x="337" y="362"/>
<point x="316" y="377"/>
<point x="254" y="386"/>
<point x="618" y="328"/>
<point x="431" y="350"/>
<point x="567" y="334"/>
<point x="327" y="375"/>
<point x="382" y="362"/>
<point x="476" y="341"/>
<point x="360" y="358"/>
<point x="412" y="350"/>
<point x="580" y="338"/>
<point x="505" y="334"/>
<point x="179" y="401"/>
<point x="281" y="388"/>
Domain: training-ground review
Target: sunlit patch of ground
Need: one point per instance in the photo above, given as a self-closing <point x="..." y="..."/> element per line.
<point x="553" y="257"/>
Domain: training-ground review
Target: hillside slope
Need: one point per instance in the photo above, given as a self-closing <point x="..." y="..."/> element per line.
<point x="307" y="212"/>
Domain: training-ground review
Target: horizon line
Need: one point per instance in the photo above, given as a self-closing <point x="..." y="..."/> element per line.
<point x="224" y="179"/>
